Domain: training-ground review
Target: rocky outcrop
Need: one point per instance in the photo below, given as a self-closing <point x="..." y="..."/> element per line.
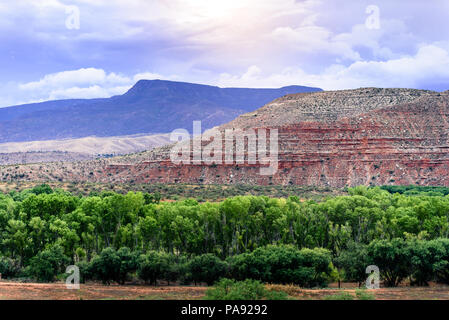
<point x="405" y="143"/>
<point x="341" y="138"/>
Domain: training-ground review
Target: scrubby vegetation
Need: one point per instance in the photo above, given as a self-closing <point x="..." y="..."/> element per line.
<point x="227" y="289"/>
<point x="418" y="190"/>
<point x="180" y="191"/>
<point x="116" y="237"/>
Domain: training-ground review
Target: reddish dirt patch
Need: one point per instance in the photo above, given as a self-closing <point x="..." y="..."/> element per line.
<point x="58" y="291"/>
<point x="432" y="292"/>
<point x="94" y="291"/>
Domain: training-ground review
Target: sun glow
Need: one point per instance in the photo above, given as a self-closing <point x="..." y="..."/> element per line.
<point x="216" y="9"/>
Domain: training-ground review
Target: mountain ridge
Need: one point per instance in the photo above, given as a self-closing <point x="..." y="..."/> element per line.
<point x="150" y="106"/>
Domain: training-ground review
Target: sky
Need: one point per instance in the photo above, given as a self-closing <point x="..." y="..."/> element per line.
<point x="59" y="49"/>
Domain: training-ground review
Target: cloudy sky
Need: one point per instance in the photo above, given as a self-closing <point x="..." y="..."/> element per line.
<point x="55" y="49"/>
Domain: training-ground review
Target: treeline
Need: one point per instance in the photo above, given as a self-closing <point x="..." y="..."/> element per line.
<point x="43" y="230"/>
<point x="419" y="261"/>
<point x="417" y="190"/>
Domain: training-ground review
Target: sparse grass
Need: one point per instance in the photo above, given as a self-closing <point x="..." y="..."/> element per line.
<point x="167" y="296"/>
<point x="364" y="295"/>
<point x="290" y="289"/>
<point x="340" y="296"/>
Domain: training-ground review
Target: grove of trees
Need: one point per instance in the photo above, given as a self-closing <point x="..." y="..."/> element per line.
<point x="112" y="236"/>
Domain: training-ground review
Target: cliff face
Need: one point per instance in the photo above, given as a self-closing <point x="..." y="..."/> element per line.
<point x="379" y="143"/>
<point x="336" y="139"/>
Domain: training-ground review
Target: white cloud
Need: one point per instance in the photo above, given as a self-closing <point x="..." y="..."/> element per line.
<point x="146" y="76"/>
<point x="312" y="39"/>
<point x="261" y="43"/>
<point x="84" y="76"/>
<point x="82" y="83"/>
<point x="430" y="64"/>
<point x="94" y="91"/>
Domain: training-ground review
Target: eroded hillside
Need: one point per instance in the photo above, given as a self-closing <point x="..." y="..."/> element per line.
<point x="351" y="137"/>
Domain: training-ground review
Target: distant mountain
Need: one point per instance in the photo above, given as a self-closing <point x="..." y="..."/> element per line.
<point x="150" y="106"/>
<point x="88" y="145"/>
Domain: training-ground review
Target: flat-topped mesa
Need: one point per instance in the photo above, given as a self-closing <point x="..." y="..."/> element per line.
<point x="338" y="138"/>
<point x="325" y="106"/>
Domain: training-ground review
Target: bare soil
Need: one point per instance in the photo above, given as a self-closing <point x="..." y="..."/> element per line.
<point x="94" y="291"/>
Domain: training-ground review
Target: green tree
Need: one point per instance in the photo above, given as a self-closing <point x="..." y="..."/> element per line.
<point x="106" y="266"/>
<point x="353" y="261"/>
<point x="283" y="264"/>
<point x="9" y="268"/>
<point x="153" y="266"/>
<point x="207" y="268"/>
<point x="393" y="259"/>
<point x="47" y="264"/>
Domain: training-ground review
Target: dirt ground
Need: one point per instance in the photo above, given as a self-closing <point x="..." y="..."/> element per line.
<point x="432" y="292"/>
<point x="58" y="291"/>
<point x="94" y="291"/>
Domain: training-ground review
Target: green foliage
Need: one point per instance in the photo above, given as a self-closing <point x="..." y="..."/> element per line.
<point x="153" y="266"/>
<point x="128" y="263"/>
<point x="9" y="268"/>
<point x="106" y="266"/>
<point x="353" y="261"/>
<point x="364" y="295"/>
<point x="227" y="289"/>
<point x="439" y="249"/>
<point x="283" y="264"/>
<point x="85" y="271"/>
<point x="43" y="188"/>
<point x="207" y="268"/>
<point x="360" y="294"/>
<point x="113" y="265"/>
<point x="417" y="190"/>
<point x="422" y="256"/>
<point x="393" y="259"/>
<point x="49" y="263"/>
<point x="340" y="296"/>
<point x="336" y="274"/>
<point x="152" y="198"/>
<point x="281" y="240"/>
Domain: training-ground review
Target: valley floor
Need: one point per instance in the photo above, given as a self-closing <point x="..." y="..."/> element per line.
<point x="93" y="291"/>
